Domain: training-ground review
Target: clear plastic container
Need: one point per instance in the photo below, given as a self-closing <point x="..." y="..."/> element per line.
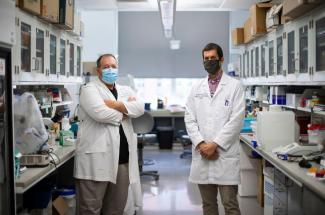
<point x="316" y="134"/>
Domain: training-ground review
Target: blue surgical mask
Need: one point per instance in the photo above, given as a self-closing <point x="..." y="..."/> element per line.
<point x="109" y="75"/>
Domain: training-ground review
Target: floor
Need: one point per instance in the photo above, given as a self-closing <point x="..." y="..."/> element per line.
<point x="172" y="194"/>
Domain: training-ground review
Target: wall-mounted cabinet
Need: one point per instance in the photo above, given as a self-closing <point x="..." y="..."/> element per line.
<point x="291" y="54"/>
<point x="318" y="45"/>
<point x="44" y="53"/>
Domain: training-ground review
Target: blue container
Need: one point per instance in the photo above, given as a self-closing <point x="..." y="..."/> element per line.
<point x="247" y="125"/>
<point x="281" y="100"/>
<point x="147" y="106"/>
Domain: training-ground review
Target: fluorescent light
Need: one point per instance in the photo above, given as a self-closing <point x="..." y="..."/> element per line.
<point x="168" y="33"/>
<point x="174" y="44"/>
<point x="167" y="13"/>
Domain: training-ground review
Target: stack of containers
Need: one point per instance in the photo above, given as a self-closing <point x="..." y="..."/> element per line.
<point x="268" y="172"/>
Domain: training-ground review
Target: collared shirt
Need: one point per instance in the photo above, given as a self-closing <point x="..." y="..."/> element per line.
<point x="124" y="146"/>
<point x="213" y="83"/>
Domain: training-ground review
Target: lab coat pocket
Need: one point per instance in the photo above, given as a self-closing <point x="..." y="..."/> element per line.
<point x="230" y="169"/>
<point x="101" y="140"/>
<point x="223" y="111"/>
<point x="96" y="146"/>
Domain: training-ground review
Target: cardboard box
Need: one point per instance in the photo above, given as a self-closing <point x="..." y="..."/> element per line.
<point x="248" y="31"/>
<point x="296" y="8"/>
<point x="32" y="6"/>
<point x="237" y="36"/>
<point x="60" y="206"/>
<point x="258" y="17"/>
<point x="50" y="10"/>
<point x="273" y="17"/>
<point x="66" y="14"/>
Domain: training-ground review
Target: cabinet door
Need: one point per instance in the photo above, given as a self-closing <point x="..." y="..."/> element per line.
<point x="263" y="63"/>
<point x="302" y="53"/>
<point x="248" y="64"/>
<point x="291" y="54"/>
<point x="72" y="59"/>
<point x="79" y="66"/>
<point x="318" y="68"/>
<point x="244" y="64"/>
<point x="271" y="60"/>
<point x="252" y="65"/>
<point x="38" y="55"/>
<point x="54" y="51"/>
<point x="25" y="51"/>
<point x="280" y="74"/>
<point x="47" y="55"/>
<point x="256" y="63"/>
<point x="16" y="52"/>
<point x="62" y="57"/>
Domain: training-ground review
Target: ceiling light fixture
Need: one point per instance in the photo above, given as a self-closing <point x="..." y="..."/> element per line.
<point x="167" y="13"/>
<point x="174" y="44"/>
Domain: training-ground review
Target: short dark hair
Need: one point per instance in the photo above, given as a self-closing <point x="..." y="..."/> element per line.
<point x="213" y="46"/>
<point x="103" y="55"/>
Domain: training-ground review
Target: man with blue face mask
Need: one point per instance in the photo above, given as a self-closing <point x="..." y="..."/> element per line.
<point x="106" y="157"/>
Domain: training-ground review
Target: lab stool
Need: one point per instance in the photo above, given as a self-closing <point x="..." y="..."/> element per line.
<point x="145" y="162"/>
<point x="143" y="126"/>
<point x="187" y="146"/>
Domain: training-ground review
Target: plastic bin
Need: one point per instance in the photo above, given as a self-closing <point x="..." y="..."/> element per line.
<point x="247" y="125"/>
<point x="165" y="137"/>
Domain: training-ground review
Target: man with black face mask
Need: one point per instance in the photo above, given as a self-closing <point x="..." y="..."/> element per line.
<point x="214" y="116"/>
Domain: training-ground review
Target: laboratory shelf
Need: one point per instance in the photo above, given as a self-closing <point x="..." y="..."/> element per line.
<point x="304" y="109"/>
<point x="62" y="103"/>
<point x="290" y="169"/>
<point x="56" y="104"/>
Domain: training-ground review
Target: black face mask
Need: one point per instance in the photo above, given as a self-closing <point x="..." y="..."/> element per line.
<point x="212" y="66"/>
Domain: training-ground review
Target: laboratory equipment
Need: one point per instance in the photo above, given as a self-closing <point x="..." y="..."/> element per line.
<point x="29" y="129"/>
<point x="275" y="128"/>
<point x="298" y="149"/>
<point x="316" y="134"/>
<point x="39" y="160"/>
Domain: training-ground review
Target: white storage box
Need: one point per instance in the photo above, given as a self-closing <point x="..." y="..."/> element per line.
<point x="246" y="162"/>
<point x="293" y="99"/>
<point x="248" y="186"/>
<point x="275" y="128"/>
<point x="273" y="17"/>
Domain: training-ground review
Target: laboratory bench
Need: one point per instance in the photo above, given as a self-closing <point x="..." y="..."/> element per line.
<point x="167" y="118"/>
<point x="31" y="176"/>
<point x="311" y="190"/>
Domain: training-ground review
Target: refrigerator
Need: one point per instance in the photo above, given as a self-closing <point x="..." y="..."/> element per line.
<point x="7" y="180"/>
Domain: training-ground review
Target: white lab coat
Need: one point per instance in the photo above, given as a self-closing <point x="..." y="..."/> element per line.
<point x="218" y="119"/>
<point x="97" y="153"/>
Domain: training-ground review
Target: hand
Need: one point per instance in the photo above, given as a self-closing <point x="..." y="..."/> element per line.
<point x="214" y="156"/>
<point x="131" y="99"/>
<point x="110" y="103"/>
<point x="116" y="105"/>
<point x="208" y="150"/>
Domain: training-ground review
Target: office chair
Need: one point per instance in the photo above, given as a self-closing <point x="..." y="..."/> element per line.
<point x="186" y="143"/>
<point x="143" y="125"/>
